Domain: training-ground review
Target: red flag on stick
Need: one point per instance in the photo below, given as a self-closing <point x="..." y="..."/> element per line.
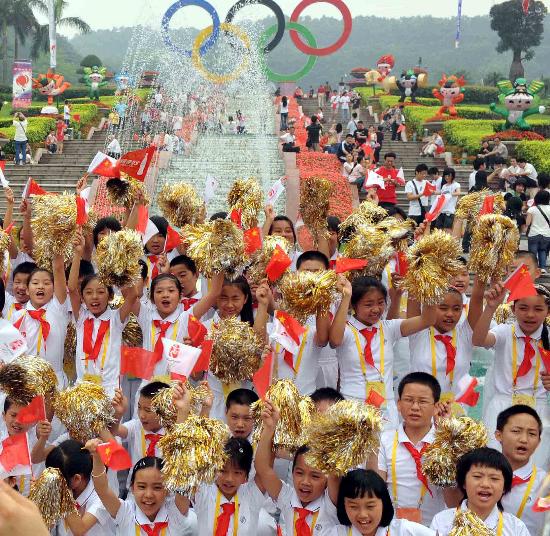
<point x="137" y="362"/>
<point x="520" y="284"/>
<point x="34" y="412"/>
<point x="114" y="456"/>
<point x="262" y="377"/>
<point x="346" y="265"/>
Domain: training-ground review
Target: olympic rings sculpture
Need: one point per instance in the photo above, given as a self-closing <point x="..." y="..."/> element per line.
<point x="268" y="42"/>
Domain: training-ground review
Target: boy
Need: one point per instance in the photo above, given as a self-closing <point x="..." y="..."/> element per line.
<point x="418" y="202"/>
<point x="15" y="303"/>
<point x="237" y="412"/>
<point x="462" y="283"/>
<point x="185" y="270"/>
<point x="401" y="450"/>
<point x="529" y="259"/>
<point x="435" y="178"/>
<point x="519" y="430"/>
<point x="324" y="397"/>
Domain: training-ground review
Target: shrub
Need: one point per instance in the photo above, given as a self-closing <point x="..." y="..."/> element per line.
<point x="537" y="153"/>
<point x="472" y="94"/>
<point x="37" y="131"/>
<point x="469" y="133"/>
<point x="87" y="113"/>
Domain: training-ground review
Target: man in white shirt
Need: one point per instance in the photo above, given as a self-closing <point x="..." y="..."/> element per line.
<point x="479" y="165"/>
<point x="289" y="141"/>
<point x="344" y="106"/>
<point x="352" y="125"/>
<point x="418" y="202"/>
<point x="113" y="149"/>
<point x="527" y="171"/>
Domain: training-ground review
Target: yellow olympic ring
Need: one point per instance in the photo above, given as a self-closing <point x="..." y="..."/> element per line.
<point x="197" y="60"/>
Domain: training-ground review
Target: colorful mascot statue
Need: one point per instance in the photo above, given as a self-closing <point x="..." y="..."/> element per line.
<point x="123" y="82"/>
<point x="517" y="101"/>
<point x="94" y="79"/>
<point x="450" y="93"/>
<point x="51" y="85"/>
<point x="384" y="66"/>
<point x="408" y="83"/>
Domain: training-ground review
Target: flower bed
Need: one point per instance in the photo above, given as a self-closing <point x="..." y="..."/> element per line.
<point x="515" y="135"/>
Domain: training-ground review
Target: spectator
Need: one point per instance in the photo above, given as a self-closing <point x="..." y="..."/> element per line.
<point x="380" y="140"/>
<point x="354" y="171"/>
<point x="418" y="202"/>
<point x="485" y="149"/>
<point x="321" y="100"/>
<point x="479" y="165"/>
<point x="538" y="228"/>
<point x="328" y="91"/>
<point x="518" y="190"/>
<point x="113" y="149"/>
<point x="145" y="120"/>
<point x="334" y="103"/>
<point x="60" y="135"/>
<point x="397" y="121"/>
<point x="120" y="109"/>
<point x="20" y="138"/>
<point x="434" y="146"/>
<point x="447" y="185"/>
<point x="499" y="150"/>
<point x="67" y="113"/>
<point x="289" y="141"/>
<point x="320" y="115"/>
<point x="51" y="143"/>
<point x="114" y="120"/>
<point x="283" y="111"/>
<point x="528" y="172"/>
<point x="158" y="98"/>
<point x="344" y="106"/>
<point x="241" y="124"/>
<point x="361" y="134"/>
<point x="387" y="196"/>
<point x="313" y="134"/>
<point x="345" y="148"/>
<point x="352" y="125"/>
<point x="544" y="181"/>
<point x="311" y="92"/>
<point x="298" y="94"/>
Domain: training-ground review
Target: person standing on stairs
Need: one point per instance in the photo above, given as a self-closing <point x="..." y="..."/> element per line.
<point x="283" y="111"/>
<point x="419" y="203"/>
<point x="387" y="197"/>
<point x="20" y="139"/>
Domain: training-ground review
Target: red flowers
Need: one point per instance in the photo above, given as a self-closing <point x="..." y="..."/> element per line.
<point x="513" y="135"/>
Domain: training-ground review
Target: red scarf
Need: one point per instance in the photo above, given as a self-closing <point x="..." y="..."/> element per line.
<point x="228" y="509"/>
<point x="155" y="528"/>
<point x="153" y="259"/>
<point x="417" y="457"/>
<point x="528" y="354"/>
<point x="152" y="440"/>
<point x="92" y="349"/>
<point x="37" y="315"/>
<point x="369" y="335"/>
<point x="188" y="303"/>
<point x="159" y="346"/>
<point x="301" y="526"/>
<point x="447" y="340"/>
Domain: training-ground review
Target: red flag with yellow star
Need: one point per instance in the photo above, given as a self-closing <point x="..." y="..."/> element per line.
<point x="278" y="264"/>
<point x="520" y="284"/>
<point x="114" y="456"/>
<point x="252" y="240"/>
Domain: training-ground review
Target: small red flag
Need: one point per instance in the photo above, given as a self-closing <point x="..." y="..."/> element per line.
<point x="346" y="265"/>
<point x="375" y="399"/>
<point x="525" y="6"/>
<point x="196" y="331"/>
<point x="520" y="284"/>
<point x="15" y="451"/>
<point x="488" y="206"/>
<point x="81" y="214"/>
<point x="33" y="188"/>
<point x="252" y="240"/>
<point x="137" y="362"/>
<point x="466" y="391"/>
<point x="173" y="239"/>
<point x="236" y="217"/>
<point x="34" y="412"/>
<point x="2" y="165"/>
<point x="114" y="456"/>
<point x="9" y="228"/>
<point x="203" y="362"/>
<point x="292" y="327"/>
<point x="401" y="264"/>
<point x="437" y="207"/>
<point x="262" y="377"/>
<point x="429" y="189"/>
<point x="545" y="356"/>
<point x="142" y="219"/>
<point x="278" y="264"/>
<point x="107" y="168"/>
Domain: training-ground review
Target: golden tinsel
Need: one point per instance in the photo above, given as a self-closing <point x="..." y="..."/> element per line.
<point x="28" y="376"/>
<point x="315" y="202"/>
<point x="454" y="436"/>
<point x="260" y="258"/>
<point x="236" y="352"/>
<point x="467" y="523"/>
<point x="495" y="240"/>
<point x="69" y="355"/>
<point x="343" y="437"/>
<point x="468" y="207"/>
<point x="117" y="258"/>
<point x="433" y="263"/>
<point x="367" y="213"/>
<point x="52" y="495"/>
<point x="371" y="244"/>
<point x="504" y="313"/>
<point x="295" y="414"/>
<point x="246" y="196"/>
<point x="216" y="247"/>
<point x="396" y="228"/>
<point x="125" y="191"/>
<point x="85" y="410"/>
<point x="5" y="240"/>
<point x="308" y="293"/>
<point x="132" y="335"/>
<point x="193" y="453"/>
<point x="180" y="204"/>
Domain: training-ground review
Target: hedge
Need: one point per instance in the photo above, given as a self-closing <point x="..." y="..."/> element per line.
<point x="472" y="94"/>
<point x="537" y="153"/>
<point x="469" y="133"/>
<point x="37" y="131"/>
<point x="87" y="112"/>
<point x="387" y="101"/>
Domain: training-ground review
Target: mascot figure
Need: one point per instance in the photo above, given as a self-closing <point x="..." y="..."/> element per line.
<point x="123" y="83"/>
<point x="517" y="101"/>
<point x="94" y="79"/>
<point x="51" y="85"/>
<point x="384" y="66"/>
<point x="450" y="93"/>
<point x="408" y="83"/>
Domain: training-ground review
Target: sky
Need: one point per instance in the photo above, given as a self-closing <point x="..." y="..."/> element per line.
<point x="106" y="14"/>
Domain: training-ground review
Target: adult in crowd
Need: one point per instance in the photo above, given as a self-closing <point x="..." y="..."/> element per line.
<point x="321" y="98"/>
<point x="20" y="124"/>
<point x="344" y="106"/>
<point x="397" y="121"/>
<point x="51" y="142"/>
<point x="434" y="146"/>
<point x="499" y="150"/>
<point x="387" y="196"/>
<point x="353" y="124"/>
<point x="289" y="141"/>
<point x="283" y="111"/>
<point x="113" y="149"/>
<point x="525" y="170"/>
<point x="346" y="148"/>
<point x="538" y="228"/>
<point x="314" y="130"/>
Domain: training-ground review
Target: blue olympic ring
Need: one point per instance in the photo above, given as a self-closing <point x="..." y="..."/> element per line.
<point x="175" y="7"/>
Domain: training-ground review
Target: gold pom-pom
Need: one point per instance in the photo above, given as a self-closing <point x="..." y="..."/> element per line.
<point x="433" y="263"/>
<point x="5" y="240"/>
<point x="260" y="258"/>
<point x="343" y="437"/>
<point x="69" y="354"/>
<point x="367" y="213"/>
<point x="126" y="191"/>
<point x="308" y="293"/>
<point x="216" y="247"/>
<point x="52" y="495"/>
<point x="466" y="523"/>
<point x="370" y="244"/>
<point x="315" y="202"/>
<point x="236" y="352"/>
<point x="180" y="204"/>
<point x="117" y="258"/>
<point x="295" y="414"/>
<point x="247" y="197"/>
<point x="28" y="376"/>
<point x="132" y="335"/>
<point x="495" y="240"/>
<point x="397" y="229"/>
<point x="468" y="207"/>
<point x="84" y="410"/>
<point x="193" y="453"/>
<point x="504" y="314"/>
<point x="454" y="436"/>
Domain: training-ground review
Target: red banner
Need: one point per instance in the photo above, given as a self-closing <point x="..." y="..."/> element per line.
<point x="136" y="163"/>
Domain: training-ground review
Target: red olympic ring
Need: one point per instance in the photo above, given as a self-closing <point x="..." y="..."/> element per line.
<point x="306" y="49"/>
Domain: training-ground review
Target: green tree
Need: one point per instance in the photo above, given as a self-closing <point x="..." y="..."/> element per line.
<point x="91" y="61"/>
<point x="518" y="31"/>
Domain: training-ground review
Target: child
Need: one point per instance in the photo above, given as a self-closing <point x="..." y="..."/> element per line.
<point x="282" y="226"/>
<point x="418" y="202"/>
<point x="462" y="283"/>
<point x="364" y="508"/>
<point x="324" y="397"/>
<point x="365" y="342"/>
<point x="483" y="476"/>
<point x="332" y="225"/>
<point x="448" y="186"/>
<point x="184" y="268"/>
<point x="517" y="366"/>
<point x="75" y="465"/>
<point x="15" y="304"/>
<point x="237" y="412"/>
<point x="519" y="430"/>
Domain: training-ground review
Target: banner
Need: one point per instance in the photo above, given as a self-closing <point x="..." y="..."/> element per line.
<point x="458" y="24"/>
<point x="136" y="163"/>
<point x="22" y="84"/>
<point x="52" y="34"/>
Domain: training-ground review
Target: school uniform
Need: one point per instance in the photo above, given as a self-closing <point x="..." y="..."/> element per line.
<point x="169" y="521"/>
<point x="397" y="527"/>
<point x="244" y="509"/>
<point x="188" y="302"/>
<point x="406" y="489"/>
<point x="102" y="336"/>
<point x="465" y="308"/>
<point x="140" y="442"/>
<point x="504" y="524"/>
<point x="527" y="480"/>
<point x="13" y="310"/>
<point x="10" y="265"/>
<point x="358" y="377"/>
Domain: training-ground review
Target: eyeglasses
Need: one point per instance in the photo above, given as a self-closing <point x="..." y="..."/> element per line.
<point x="422" y="403"/>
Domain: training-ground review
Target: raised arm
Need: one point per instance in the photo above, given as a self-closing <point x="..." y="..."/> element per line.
<point x="418" y="323"/>
<point x="130" y="295"/>
<point x="208" y="301"/>
<point x="8" y="219"/>
<point x="475" y="309"/>
<point x="493" y="298"/>
<point x="26" y="229"/>
<point x="263" y="296"/>
<point x="269" y="217"/>
<point x="338" y="327"/>
<point x="74" y="294"/>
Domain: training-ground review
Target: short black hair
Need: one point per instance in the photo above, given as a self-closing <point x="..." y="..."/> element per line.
<point x="542" y="197"/>
<point x="105" y="223"/>
<point x="519" y="409"/>
<point x="543" y="180"/>
<point x="144" y="269"/>
<point x="326" y="393"/>
<point x="333" y="222"/>
<point x="282" y="217"/>
<point x="186" y="261"/>
<point x="478" y="162"/>
<point x="86" y="281"/>
<point x="301" y="450"/>
<point x="151" y="389"/>
<point x="24" y="268"/>
<point x="163" y="277"/>
<point x="218" y="216"/>
<point x="363" y="284"/>
<point x="71" y="459"/>
<point x="146" y="463"/>
<point x="241" y="397"/>
<point x="420" y="168"/>
<point x="240" y="453"/>
<point x="423" y="378"/>
<point x="433" y="171"/>
<point x="393" y="210"/>
<point x="390" y="155"/>
<point x="360" y="483"/>
<point x="161" y="223"/>
<point x="312" y="255"/>
<point x="462" y="260"/>
<point x="522" y="160"/>
<point x="522" y="253"/>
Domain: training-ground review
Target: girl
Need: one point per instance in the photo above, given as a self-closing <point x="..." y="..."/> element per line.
<point x="150" y="511"/>
<point x="518" y="365"/>
<point x="483" y="476"/>
<point x="283" y="111"/>
<point x="154" y="248"/>
<point x="282" y="226"/>
<point x="98" y="327"/>
<point x="364" y="508"/>
<point x="365" y="342"/>
<point x="75" y="465"/>
<point x="449" y="186"/>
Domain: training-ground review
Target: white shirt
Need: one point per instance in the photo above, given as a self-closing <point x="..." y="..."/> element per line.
<point x="539" y="226"/>
<point x="114" y="147"/>
<point x="344" y="102"/>
<point x="530" y="169"/>
<point x="511" y="502"/>
<point x="409" y="488"/>
<point x="250" y="500"/>
<point x="414" y="204"/>
<point x="283" y="109"/>
<point x="352" y="126"/>
<point x="452" y="188"/>
<point x="472" y="179"/>
<point x="66" y="112"/>
<point x="398" y="527"/>
<point x="288" y="138"/>
<point x="137" y="443"/>
<point x="20" y="130"/>
<point x="9" y="312"/>
<point x="512" y="526"/>
<point x="129" y="515"/>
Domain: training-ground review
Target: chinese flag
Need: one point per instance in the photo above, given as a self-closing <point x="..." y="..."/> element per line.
<point x="114" y="456"/>
<point x="203" y="362"/>
<point x="33" y="188"/>
<point x="173" y="239"/>
<point x="545" y="356"/>
<point x="107" y="168"/>
<point x="252" y="240"/>
<point x="15" y="451"/>
<point x="278" y="264"/>
<point x="520" y="284"/>
<point x="375" y="399"/>
<point x="81" y="214"/>
<point x="262" y="377"/>
<point x="467" y="393"/>
<point x="136" y="163"/>
<point x="525" y="6"/>
<point x="346" y="265"/>
<point x="292" y="327"/>
<point x="196" y="331"/>
<point x="137" y="362"/>
<point x="34" y="412"/>
<point x="142" y="219"/>
<point x="429" y="189"/>
<point x="236" y="217"/>
<point x="488" y="206"/>
<point x="2" y="165"/>
<point x="401" y="264"/>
